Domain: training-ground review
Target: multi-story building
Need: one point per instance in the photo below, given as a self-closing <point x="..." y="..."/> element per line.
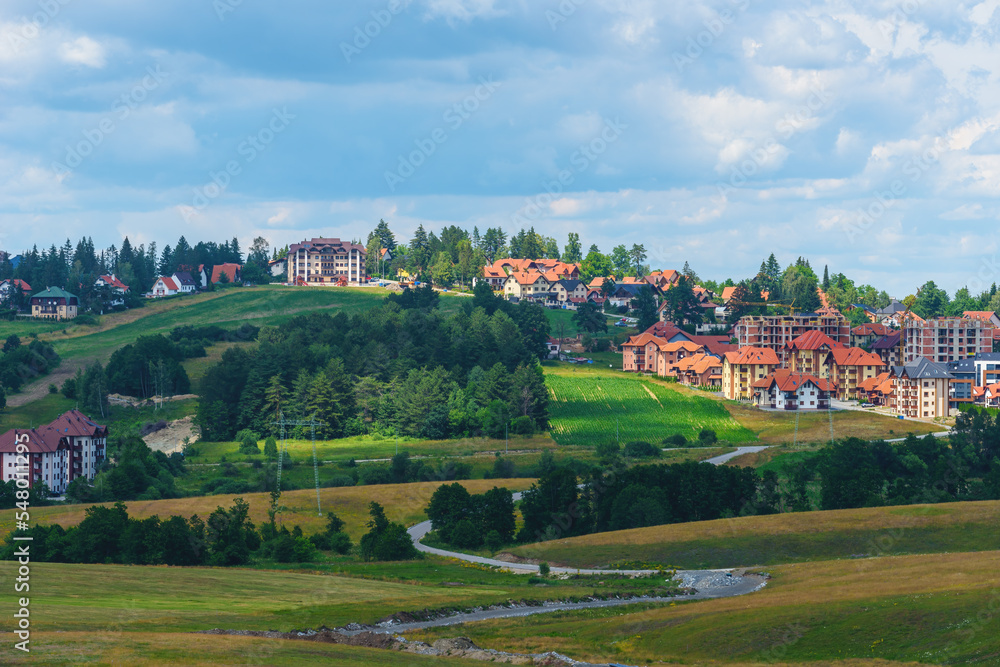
<point x="946" y="339"/>
<point x="702" y="370"/>
<point x="742" y="367"/>
<point x="866" y="334"/>
<point x="786" y="390"/>
<point x="777" y="331"/>
<point x="962" y="388"/>
<point x="323" y="261"/>
<point x="530" y="284"/>
<point x="920" y="389"/>
<point x="808" y="353"/>
<point x="670" y="353"/>
<point x="54" y="304"/>
<point x="639" y="353"/>
<point x="849" y="367"/>
<point x="70" y="447"/>
<point x="888" y="349"/>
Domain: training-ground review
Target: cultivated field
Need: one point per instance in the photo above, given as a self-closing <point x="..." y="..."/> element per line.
<point x="936" y="609"/>
<point x="586" y="404"/>
<point x="788" y="538"/>
<point x="403" y="503"/>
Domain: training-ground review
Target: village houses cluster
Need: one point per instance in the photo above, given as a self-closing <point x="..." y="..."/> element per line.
<point x="800" y="361"/>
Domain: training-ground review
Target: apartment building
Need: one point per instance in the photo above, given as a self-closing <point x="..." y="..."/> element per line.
<point x="921" y="389"/>
<point x="323" y="261"/>
<point x="946" y="339"/>
<point x="849" y="368"/>
<point x="866" y="334"/>
<point x="72" y="446"/>
<point x="777" y="331"/>
<point x="808" y="353"/>
<point x="742" y="367"/>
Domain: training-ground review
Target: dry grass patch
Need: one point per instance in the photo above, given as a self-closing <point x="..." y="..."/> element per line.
<point x="403" y="503"/>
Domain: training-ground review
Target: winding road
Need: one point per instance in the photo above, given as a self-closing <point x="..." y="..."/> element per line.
<point x="707" y="584"/>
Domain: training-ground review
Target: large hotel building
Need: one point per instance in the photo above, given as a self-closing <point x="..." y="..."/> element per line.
<point x="326" y="261"/>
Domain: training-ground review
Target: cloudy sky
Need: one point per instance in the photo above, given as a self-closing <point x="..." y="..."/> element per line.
<point x="861" y="134"/>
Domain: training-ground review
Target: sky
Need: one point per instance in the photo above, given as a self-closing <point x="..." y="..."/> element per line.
<point x="863" y="135"/>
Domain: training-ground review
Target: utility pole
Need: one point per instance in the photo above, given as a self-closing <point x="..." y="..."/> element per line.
<point x="283" y="449"/>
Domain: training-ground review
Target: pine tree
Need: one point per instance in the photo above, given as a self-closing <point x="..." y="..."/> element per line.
<point x="826" y="277"/>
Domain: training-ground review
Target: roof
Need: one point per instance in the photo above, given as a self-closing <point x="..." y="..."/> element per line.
<point x="25" y="287"/>
<point x="631" y="288"/>
<point x="40" y="440"/>
<point x="183" y="278"/>
<point x="599" y="281"/>
<point x="54" y="293"/>
<point x="881" y="383"/>
<point x="529" y="277"/>
<point x="753" y="355"/>
<point x="967" y="365"/>
<point x="571" y="285"/>
<point x="871" y="329"/>
<point x="642" y="340"/>
<point x="679" y="345"/>
<point x="168" y="282"/>
<point x="813" y="340"/>
<point x="981" y="315"/>
<point x="789" y="381"/>
<point x="893" y="308"/>
<point x="668" y="331"/>
<point x="855" y="356"/>
<point x="229" y="269"/>
<point x="321" y="243"/>
<point x="76" y="423"/>
<point x="887" y="342"/>
<point x="717" y="345"/>
<point x="632" y="280"/>
<point x="113" y="281"/>
<point x="922" y="369"/>
<point x="698" y="363"/>
<point x="727" y="292"/>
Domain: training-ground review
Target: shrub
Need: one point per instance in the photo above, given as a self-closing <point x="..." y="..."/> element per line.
<point x="271" y="448"/>
<point x="544" y="569"/>
<point x="465" y="536"/>
<point x="707" y="437"/>
<point x="53" y="389"/>
<point x="338" y="481"/>
<point x="493" y="540"/>
<point x="677" y="440"/>
<point x="641" y="450"/>
<point x="607" y="452"/>
<point x="523" y="426"/>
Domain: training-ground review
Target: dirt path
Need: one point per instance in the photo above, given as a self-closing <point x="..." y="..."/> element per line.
<point x="171" y="439"/>
<point x="39" y="387"/>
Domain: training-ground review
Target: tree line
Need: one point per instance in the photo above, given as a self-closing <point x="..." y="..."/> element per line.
<point x="402" y="367"/>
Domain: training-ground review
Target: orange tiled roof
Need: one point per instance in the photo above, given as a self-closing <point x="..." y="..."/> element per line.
<point x="753" y="356"/>
<point x="789" y="381"/>
<point x="727" y="292"/>
<point x="813" y="340"/>
<point x="681" y="345"/>
<point x="981" y="315"/>
<point x="871" y="329"/>
<point x="698" y="363"/>
<point x="855" y="356"/>
<point x="642" y="340"/>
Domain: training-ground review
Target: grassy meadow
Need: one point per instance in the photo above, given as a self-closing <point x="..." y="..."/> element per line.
<point x="788" y="538"/>
<point x="930" y="609"/>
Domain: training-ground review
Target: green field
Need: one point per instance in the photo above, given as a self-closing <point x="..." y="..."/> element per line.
<point x="588" y="404"/>
<point x="788" y="538"/>
<point x="936" y="609"/>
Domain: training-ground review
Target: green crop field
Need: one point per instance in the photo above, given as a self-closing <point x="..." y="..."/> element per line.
<point x="788" y="538"/>
<point x="587" y="405"/>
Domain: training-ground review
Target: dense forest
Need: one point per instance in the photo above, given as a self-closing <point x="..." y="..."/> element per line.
<point x="402" y="367"/>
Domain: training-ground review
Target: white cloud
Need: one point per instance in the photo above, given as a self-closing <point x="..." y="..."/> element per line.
<point x="83" y="51"/>
<point x="964" y="212"/>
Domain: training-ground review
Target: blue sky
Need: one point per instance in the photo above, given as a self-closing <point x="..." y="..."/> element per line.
<point x="863" y="135"/>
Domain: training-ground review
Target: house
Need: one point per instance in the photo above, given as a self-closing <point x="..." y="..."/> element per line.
<point x="117" y="289"/>
<point x="962" y="388"/>
<point x="54" y="304"/>
<point x="868" y="311"/>
<point x="232" y="273"/>
<point x="866" y="334"/>
<point x="164" y="286"/>
<point x="530" y="284"/>
<point x="700" y="370"/>
<point x="565" y="290"/>
<point x="625" y="293"/>
<point x="669" y="354"/>
<point x="72" y="446"/>
<point x="991" y="395"/>
<point x="278" y="267"/>
<point x="742" y="367"/>
<point x="663" y="280"/>
<point x="946" y="339"/>
<point x="599" y="282"/>
<point x="986" y="316"/>
<point x="324" y="261"/>
<point x="808" y="353"/>
<point x="783" y="389"/>
<point x="776" y="331"/>
<point x="848" y="367"/>
<point x="877" y="390"/>
<point x="495" y="278"/>
<point x="8" y="286"/>
<point x="921" y="389"/>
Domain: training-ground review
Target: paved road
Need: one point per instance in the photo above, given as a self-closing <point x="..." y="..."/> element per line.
<point x="740" y="451"/>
